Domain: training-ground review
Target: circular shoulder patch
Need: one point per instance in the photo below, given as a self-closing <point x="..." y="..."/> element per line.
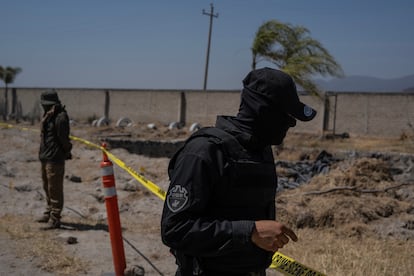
<point x="307" y="111"/>
<point x="177" y="197"/>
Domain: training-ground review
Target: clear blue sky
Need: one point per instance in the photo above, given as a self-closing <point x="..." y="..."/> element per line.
<point x="162" y="44"/>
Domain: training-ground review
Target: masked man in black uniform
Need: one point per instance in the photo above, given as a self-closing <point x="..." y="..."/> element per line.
<point x="219" y="214"/>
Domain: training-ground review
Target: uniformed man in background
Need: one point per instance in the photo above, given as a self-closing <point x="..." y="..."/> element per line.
<point x="55" y="149"/>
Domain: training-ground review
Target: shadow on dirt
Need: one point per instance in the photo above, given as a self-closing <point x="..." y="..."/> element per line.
<point x="83" y="227"/>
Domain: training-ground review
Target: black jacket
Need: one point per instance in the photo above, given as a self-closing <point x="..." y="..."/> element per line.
<point x="55" y="145"/>
<point x="215" y="195"/>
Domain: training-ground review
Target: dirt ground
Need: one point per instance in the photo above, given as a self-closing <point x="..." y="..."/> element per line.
<point x="368" y="191"/>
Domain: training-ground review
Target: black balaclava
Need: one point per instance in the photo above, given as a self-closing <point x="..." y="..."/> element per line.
<point x="270" y="106"/>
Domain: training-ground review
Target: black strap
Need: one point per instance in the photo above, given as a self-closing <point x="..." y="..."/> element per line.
<point x="231" y="148"/>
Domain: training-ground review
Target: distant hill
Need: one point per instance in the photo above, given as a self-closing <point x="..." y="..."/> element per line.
<point x="368" y="84"/>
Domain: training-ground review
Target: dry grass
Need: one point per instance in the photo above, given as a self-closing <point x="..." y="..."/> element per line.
<point x="350" y="246"/>
<point x="363" y="144"/>
<point x="299" y="146"/>
<point x="43" y="246"/>
<point x="328" y="253"/>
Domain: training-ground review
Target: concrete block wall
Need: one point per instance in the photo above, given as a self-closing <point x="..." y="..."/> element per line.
<point x="203" y="107"/>
<point x="372" y="114"/>
<point x="365" y="114"/>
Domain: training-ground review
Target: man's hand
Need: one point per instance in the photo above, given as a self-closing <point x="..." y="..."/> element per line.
<point x="271" y="235"/>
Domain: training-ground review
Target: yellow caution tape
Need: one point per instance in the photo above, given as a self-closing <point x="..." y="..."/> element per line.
<point x="289" y="266"/>
<point x="148" y="184"/>
<point x="145" y="182"/>
<point x="7" y="125"/>
<point x="280" y="262"/>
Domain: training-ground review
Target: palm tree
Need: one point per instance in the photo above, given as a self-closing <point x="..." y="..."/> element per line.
<point x="7" y="75"/>
<point x="293" y="51"/>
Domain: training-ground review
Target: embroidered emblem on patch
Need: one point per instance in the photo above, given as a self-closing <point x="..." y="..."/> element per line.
<point x="177" y="198"/>
<point x="307" y="111"/>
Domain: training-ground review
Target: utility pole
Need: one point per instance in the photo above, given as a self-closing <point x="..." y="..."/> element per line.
<point x="211" y="14"/>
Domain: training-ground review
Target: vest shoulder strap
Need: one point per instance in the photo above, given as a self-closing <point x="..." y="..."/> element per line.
<point x="228" y="143"/>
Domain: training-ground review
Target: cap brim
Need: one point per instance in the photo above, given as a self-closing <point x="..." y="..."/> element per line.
<point x="43" y="102"/>
<point x="303" y="112"/>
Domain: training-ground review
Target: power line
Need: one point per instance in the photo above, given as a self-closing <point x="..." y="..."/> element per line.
<point x="211" y="14"/>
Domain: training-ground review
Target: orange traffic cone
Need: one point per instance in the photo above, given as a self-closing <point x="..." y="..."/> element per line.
<point x="114" y="224"/>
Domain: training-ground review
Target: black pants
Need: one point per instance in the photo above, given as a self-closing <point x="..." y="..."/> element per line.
<point x="258" y="273"/>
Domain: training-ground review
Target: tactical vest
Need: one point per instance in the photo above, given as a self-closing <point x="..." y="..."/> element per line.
<point x="248" y="187"/>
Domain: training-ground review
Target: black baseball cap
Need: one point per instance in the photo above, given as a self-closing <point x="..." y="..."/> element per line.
<point x="280" y="89"/>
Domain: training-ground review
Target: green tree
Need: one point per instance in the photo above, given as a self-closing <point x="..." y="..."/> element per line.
<point x="293" y="51"/>
<point x="7" y="75"/>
